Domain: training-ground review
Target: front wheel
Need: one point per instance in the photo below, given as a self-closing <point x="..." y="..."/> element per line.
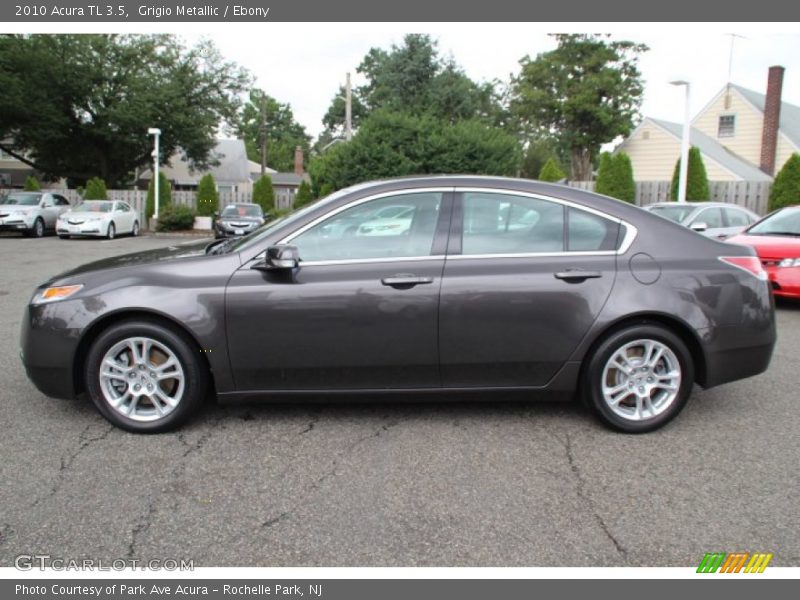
<point x="112" y="231"/>
<point x="639" y="378"/>
<point x="38" y="228"/>
<point x="145" y="377"/>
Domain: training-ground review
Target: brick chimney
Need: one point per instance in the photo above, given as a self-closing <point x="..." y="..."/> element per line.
<point x="772" y="119"/>
<point x="298" y="161"/>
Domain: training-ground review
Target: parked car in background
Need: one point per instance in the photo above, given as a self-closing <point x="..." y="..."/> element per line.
<point x="776" y="240"/>
<point x="396" y="221"/>
<point x="713" y="219"/>
<point x="591" y="297"/>
<point x="31" y="213"/>
<point x="98" y="218"/>
<point x="238" y="219"/>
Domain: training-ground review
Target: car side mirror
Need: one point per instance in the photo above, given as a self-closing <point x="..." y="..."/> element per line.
<point x="699" y="226"/>
<point x="279" y="258"/>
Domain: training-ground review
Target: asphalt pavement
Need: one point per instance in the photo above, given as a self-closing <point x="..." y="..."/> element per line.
<point x="487" y="483"/>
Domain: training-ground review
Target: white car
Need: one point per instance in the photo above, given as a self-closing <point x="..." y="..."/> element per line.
<point x="99" y="218"/>
<point x="31" y="213"/>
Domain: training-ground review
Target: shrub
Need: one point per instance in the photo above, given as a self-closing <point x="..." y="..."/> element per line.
<point x="326" y="190"/>
<point x="175" y="217"/>
<point x="615" y="177"/>
<point x="696" y="178"/>
<point x="95" y="189"/>
<point x="207" y="196"/>
<point x="32" y="184"/>
<point x="303" y="195"/>
<point x="263" y="194"/>
<point x="786" y="189"/>
<point x="164" y="195"/>
<point x="551" y="171"/>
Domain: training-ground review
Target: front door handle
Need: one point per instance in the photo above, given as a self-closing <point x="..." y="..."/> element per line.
<point x="405" y="281"/>
<point x="577" y="275"/>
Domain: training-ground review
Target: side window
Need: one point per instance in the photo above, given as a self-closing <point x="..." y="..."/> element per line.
<point x="124" y="207"/>
<point x="60" y="200"/>
<point x="737" y="218"/>
<point x="712" y="217"/>
<point x="588" y="232"/>
<point x="401" y="225"/>
<point x="509" y="224"/>
<point x="47" y="199"/>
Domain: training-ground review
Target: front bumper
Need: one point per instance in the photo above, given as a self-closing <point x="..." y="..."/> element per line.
<point x="86" y="228"/>
<point x="785" y="281"/>
<point x="15" y="224"/>
<point x="221" y="230"/>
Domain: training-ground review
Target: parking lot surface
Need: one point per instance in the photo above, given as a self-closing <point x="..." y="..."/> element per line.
<point x="487" y="483"/>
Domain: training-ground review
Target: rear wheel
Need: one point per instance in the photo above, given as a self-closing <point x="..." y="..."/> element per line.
<point x="112" y="231"/>
<point x="135" y="229"/>
<point x="639" y="378"/>
<point x="145" y="377"/>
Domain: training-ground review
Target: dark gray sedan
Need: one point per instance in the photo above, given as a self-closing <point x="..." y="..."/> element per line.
<point x="238" y="219"/>
<point x="494" y="285"/>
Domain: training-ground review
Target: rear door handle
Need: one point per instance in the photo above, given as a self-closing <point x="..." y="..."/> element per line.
<point x="577" y="275"/>
<point x="405" y="281"/>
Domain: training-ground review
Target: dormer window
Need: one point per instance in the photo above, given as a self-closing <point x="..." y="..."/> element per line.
<point x="727" y="126"/>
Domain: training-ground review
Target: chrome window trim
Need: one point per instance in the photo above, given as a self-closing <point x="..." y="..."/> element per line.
<point x="359" y="261"/>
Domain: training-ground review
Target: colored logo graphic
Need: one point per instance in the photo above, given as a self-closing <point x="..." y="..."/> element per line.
<point x="736" y="562"/>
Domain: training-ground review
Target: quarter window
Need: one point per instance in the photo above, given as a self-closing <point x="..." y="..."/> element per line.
<point x="395" y="226"/>
<point x="588" y="232"/>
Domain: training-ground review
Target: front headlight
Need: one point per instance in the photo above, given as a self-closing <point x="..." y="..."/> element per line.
<point x="789" y="262"/>
<point x="53" y="294"/>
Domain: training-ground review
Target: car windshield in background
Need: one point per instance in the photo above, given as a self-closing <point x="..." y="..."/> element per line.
<point x="94" y="206"/>
<point x="783" y="222"/>
<point x="22" y="199"/>
<point x="242" y="211"/>
<point x="673" y="213"/>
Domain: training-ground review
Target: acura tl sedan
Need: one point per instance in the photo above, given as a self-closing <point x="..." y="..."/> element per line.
<point x="98" y="218"/>
<point x="496" y="285"/>
<point x="238" y="219"/>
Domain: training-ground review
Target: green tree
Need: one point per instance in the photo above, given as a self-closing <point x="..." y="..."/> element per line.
<point x="786" y="189"/>
<point x="207" y="196"/>
<point x="97" y="94"/>
<point x="95" y="189"/>
<point x="284" y="133"/>
<point x="263" y="194"/>
<point x="304" y="195"/>
<point x="615" y="177"/>
<point x="31" y="184"/>
<point x="537" y="153"/>
<point x="325" y="190"/>
<point x="164" y="195"/>
<point x="550" y="171"/>
<point x="586" y="92"/>
<point x="696" y="179"/>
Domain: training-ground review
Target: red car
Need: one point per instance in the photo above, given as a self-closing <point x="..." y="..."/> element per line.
<point x="776" y="240"/>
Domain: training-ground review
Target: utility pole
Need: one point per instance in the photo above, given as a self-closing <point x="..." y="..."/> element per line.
<point x="263" y="136"/>
<point x="348" y="110"/>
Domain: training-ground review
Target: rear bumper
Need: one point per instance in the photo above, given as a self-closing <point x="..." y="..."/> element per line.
<point x="731" y="356"/>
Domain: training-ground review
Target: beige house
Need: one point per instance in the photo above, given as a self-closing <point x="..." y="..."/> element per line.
<point x="743" y="136"/>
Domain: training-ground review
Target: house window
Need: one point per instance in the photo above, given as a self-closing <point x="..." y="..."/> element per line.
<point x="727" y="126"/>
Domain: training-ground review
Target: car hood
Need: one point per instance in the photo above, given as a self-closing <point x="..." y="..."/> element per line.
<point x="175" y="252"/>
<point x="4" y="208"/>
<point x="235" y="219"/>
<point x="770" y="246"/>
<point x="81" y="214"/>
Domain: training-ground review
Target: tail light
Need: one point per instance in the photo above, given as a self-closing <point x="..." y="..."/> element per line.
<point x="751" y="264"/>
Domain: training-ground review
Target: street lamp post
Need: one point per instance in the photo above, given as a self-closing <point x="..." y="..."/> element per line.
<point x="155" y="132"/>
<point x="684" y="143"/>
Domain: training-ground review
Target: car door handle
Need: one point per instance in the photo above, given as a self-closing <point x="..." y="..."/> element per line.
<point x="577" y="275"/>
<point x="405" y="281"/>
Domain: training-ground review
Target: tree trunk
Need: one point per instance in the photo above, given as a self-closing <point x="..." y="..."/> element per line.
<point x="581" y="164"/>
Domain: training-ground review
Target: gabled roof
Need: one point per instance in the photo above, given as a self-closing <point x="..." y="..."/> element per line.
<point x="233" y="166"/>
<point x="790" y="114"/>
<point x="288" y="179"/>
<point x="715" y="151"/>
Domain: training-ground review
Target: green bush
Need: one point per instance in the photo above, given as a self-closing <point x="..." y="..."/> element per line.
<point x="175" y="217"/>
<point x="786" y="189"/>
<point x="551" y="171"/>
<point x="696" y="178"/>
<point x="32" y="184"/>
<point x="326" y="190"/>
<point x="303" y="195"/>
<point x="263" y="194"/>
<point x="615" y="177"/>
<point x="164" y="195"/>
<point x="95" y="189"/>
<point x="207" y="196"/>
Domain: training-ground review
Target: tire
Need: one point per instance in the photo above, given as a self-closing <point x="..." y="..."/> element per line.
<point x="37" y="230"/>
<point x="135" y="229"/>
<point x="112" y="231"/>
<point x="638" y="397"/>
<point x="150" y="413"/>
<point x="63" y="237"/>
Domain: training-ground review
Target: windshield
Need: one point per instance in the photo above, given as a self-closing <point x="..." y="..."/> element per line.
<point x="94" y="206"/>
<point x="242" y="210"/>
<point x="22" y="199"/>
<point x="783" y="222"/>
<point x="673" y="213"/>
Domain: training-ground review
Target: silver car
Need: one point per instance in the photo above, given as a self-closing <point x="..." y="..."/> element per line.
<point x="717" y="220"/>
<point x="31" y="213"/>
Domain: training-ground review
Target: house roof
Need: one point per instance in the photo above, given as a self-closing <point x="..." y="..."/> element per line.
<point x="715" y="151"/>
<point x="288" y="179"/>
<point x="255" y="169"/>
<point x="790" y="113"/>
<point x="232" y="166"/>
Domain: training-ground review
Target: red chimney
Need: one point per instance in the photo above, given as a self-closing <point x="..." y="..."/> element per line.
<point x="298" y="161"/>
<point x="772" y="119"/>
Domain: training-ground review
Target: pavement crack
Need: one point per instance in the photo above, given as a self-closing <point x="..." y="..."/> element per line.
<point x="275" y="520"/>
<point x="308" y="428"/>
